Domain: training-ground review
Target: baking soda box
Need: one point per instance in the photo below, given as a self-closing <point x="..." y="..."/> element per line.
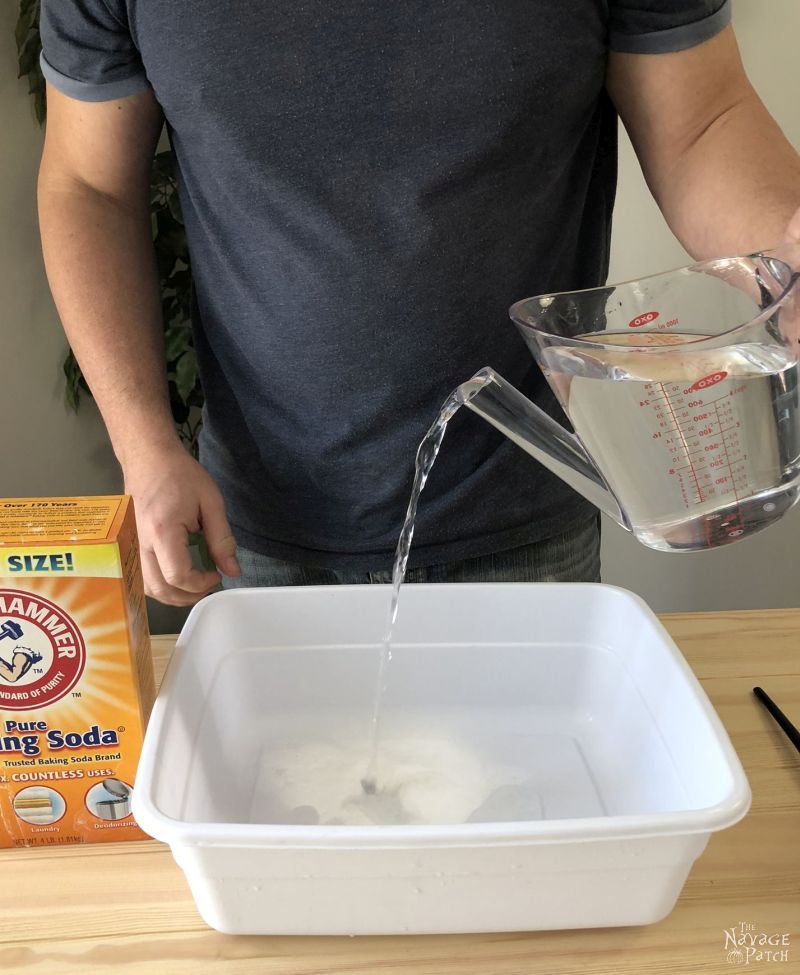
<point x="76" y="674"/>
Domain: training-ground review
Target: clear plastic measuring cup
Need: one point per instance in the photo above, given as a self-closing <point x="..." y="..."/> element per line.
<point x="682" y="390"/>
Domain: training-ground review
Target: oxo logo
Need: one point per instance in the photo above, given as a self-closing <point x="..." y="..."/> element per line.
<point x="644" y="319"/>
<point x="706" y="381"/>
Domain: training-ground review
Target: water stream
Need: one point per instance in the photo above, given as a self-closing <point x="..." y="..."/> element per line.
<point x="426" y="456"/>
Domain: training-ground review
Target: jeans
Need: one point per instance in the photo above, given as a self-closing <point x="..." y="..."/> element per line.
<point x="572" y="556"/>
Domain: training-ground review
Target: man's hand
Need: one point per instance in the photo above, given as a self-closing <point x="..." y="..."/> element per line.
<point x="173" y="496"/>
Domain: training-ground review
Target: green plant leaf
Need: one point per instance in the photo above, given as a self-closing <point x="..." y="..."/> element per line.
<point x="186" y="374"/>
<point x="165" y="260"/>
<point x="29" y="46"/>
<point x="36" y="87"/>
<point x="29" y="8"/>
<point x="176" y="341"/>
<point x="29" y="54"/>
<point x="180" y="410"/>
<point x="181" y="280"/>
<point x="174" y="203"/>
<point x="170" y="242"/>
<point x="27" y="21"/>
<point x="21" y="31"/>
<point x="197" y="399"/>
<point x="163" y="170"/>
<point x="72" y="390"/>
<point x="169" y="229"/>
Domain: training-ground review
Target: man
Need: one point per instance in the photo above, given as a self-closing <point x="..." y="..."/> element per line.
<point x="366" y="189"/>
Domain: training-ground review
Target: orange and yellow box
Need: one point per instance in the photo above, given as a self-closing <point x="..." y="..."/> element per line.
<point x="76" y="673"/>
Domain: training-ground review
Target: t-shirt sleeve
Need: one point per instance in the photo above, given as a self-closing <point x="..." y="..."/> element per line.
<point x="659" y="26"/>
<point x="88" y="52"/>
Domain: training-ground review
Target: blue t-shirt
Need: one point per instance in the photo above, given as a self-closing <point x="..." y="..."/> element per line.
<point x="367" y="187"/>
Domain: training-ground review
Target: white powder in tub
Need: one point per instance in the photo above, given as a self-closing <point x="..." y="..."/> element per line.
<point x="420" y="781"/>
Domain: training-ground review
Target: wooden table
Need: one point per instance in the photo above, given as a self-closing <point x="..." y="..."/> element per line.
<point x="125" y="908"/>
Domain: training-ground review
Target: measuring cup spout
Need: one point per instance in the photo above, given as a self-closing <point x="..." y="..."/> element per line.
<point x="513" y="414"/>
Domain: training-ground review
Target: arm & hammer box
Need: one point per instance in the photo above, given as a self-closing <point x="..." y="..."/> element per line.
<point x="76" y="672"/>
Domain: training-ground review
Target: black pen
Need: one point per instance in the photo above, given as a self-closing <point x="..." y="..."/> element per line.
<point x="792" y="732"/>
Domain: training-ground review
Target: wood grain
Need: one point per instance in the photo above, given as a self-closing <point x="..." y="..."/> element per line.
<point x="126" y="908"/>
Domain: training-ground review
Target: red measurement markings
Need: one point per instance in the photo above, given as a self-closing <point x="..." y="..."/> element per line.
<point x="735" y="523"/>
<point x="683" y="443"/>
<point x="727" y="455"/>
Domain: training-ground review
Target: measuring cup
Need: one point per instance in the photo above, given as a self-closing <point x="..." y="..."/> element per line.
<point x="682" y="390"/>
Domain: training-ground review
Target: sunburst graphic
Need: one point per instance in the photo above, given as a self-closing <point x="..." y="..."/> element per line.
<point x="105" y="694"/>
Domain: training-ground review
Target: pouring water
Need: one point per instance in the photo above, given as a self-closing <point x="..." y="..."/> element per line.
<point x="426" y="455"/>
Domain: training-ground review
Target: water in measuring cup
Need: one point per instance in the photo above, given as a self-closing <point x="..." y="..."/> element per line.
<point x="700" y="447"/>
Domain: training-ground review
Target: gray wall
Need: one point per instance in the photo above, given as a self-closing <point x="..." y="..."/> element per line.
<point x="49" y="450"/>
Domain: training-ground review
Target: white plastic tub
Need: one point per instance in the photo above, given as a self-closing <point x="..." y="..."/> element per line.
<point x="577" y="689"/>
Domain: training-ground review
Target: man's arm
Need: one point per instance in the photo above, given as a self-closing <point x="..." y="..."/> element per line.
<point x="95" y="225"/>
<point x="724" y="175"/>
